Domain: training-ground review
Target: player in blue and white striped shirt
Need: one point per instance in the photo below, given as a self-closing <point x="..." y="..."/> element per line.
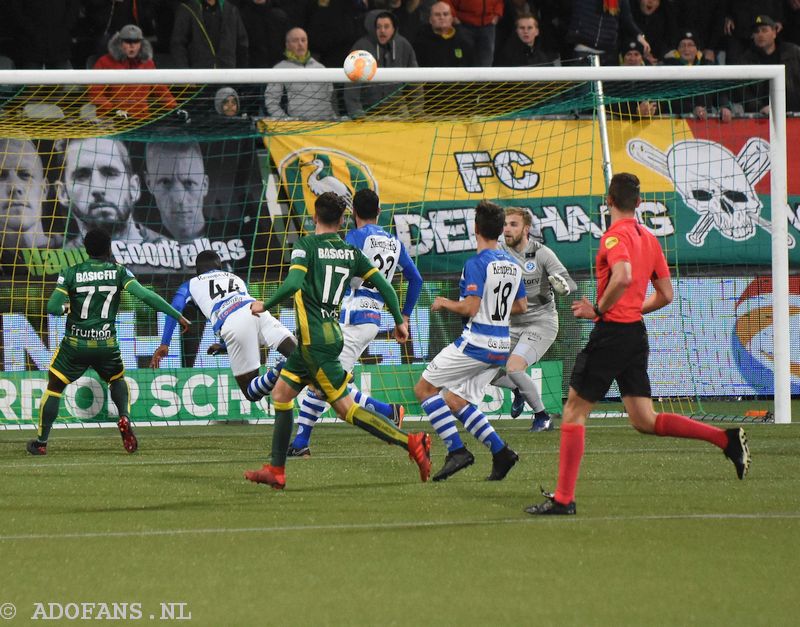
<point x="491" y="290"/>
<point x="360" y="315"/>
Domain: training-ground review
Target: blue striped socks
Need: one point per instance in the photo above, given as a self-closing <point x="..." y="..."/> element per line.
<point x="478" y="425"/>
<point x="443" y="421"/>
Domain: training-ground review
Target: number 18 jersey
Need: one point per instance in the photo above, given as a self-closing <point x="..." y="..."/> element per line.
<point x="496" y="278"/>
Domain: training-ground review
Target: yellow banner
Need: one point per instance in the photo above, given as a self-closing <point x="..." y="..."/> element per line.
<point x="411" y="163"/>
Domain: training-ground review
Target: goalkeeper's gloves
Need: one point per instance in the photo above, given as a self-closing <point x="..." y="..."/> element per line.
<point x="182" y="115"/>
<point x="559" y="284"/>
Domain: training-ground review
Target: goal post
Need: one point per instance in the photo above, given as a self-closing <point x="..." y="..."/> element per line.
<point x="519" y="136"/>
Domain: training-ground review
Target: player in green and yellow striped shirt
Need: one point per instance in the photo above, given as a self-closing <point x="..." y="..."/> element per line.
<point x="321" y="268"/>
<point x="89" y="293"/>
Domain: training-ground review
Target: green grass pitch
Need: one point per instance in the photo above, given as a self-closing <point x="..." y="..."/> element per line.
<point x="665" y="533"/>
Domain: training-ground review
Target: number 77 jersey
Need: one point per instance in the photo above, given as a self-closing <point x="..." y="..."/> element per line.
<point x="496" y="279"/>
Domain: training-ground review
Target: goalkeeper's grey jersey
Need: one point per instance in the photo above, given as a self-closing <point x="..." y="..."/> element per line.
<point x="538" y="262"/>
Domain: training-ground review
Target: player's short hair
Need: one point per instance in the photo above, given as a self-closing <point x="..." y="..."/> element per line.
<point x="624" y="191"/>
<point x="329" y="208"/>
<point x="366" y="204"/>
<point x="206" y="261"/>
<point x="97" y="243"/>
<point x="522" y="212"/>
<point x="490" y="219"/>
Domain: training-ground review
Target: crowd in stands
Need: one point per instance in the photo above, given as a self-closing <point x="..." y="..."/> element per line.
<point x="400" y="33"/>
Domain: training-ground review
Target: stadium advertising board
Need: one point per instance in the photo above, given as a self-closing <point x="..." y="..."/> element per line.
<point x="212" y="394"/>
<point x="705" y="186"/>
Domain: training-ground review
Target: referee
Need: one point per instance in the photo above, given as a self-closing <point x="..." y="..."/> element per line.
<point x="629" y="259"/>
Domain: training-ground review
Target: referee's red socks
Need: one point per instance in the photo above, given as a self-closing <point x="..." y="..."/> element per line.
<point x="569" y="461"/>
<point x="678" y="426"/>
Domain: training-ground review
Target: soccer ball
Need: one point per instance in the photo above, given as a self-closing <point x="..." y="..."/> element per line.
<point x="360" y="66"/>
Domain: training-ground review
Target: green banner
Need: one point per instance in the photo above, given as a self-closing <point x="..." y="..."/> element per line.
<point x="189" y="394"/>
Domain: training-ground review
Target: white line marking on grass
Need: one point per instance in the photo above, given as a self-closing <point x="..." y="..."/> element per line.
<point x="251" y="459"/>
<point x="383" y="526"/>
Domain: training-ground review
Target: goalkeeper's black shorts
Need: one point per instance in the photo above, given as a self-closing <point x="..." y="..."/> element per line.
<point x="615" y="351"/>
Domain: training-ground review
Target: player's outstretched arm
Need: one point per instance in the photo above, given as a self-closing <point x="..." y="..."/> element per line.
<point x="465" y="308"/>
<point x="293" y="282"/>
<point x="156" y="302"/>
<point x="58" y="304"/>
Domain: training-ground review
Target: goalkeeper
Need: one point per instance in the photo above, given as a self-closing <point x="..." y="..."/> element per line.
<point x="89" y="293"/>
<point x="532" y="332"/>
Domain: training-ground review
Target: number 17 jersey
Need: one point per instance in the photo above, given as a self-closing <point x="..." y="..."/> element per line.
<point x="329" y="263"/>
<point x="496" y="278"/>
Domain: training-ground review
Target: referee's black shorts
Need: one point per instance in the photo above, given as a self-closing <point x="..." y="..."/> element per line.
<point x="616" y="350"/>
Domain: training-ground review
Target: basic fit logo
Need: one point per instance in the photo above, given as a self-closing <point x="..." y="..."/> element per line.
<point x="752" y="338"/>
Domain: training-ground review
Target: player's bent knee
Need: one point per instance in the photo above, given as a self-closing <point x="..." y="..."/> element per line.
<point x="423" y="390"/>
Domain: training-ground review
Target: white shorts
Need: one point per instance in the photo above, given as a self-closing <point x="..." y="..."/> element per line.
<point x="462" y="375"/>
<point x="244" y="335"/>
<point x="356" y="339"/>
<point x="532" y="342"/>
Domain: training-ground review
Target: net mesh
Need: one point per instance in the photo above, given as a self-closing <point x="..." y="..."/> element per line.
<point x="173" y="179"/>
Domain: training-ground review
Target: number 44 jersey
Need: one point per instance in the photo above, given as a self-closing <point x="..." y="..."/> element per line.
<point x="217" y="294"/>
<point x="496" y="279"/>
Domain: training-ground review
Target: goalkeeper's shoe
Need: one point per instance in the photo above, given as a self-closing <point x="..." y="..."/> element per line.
<point x="34" y="447"/>
<point x="541" y="422"/>
<point x="273" y="476"/>
<point x="737" y="451"/>
<point x="129" y="440"/>
<point x="298" y="451"/>
<point x="453" y="462"/>
<point x="502" y="462"/>
<point x="517" y="404"/>
<point x="419" y="450"/>
<point x="551" y="507"/>
<point x="398" y="413"/>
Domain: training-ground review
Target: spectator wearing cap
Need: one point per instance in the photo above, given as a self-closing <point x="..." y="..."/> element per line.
<point x="209" y="34"/>
<point x="128" y="50"/>
<point x="631" y="54"/>
<point x="657" y="21"/>
<point x="523" y="47"/>
<point x="687" y="54"/>
<point x="739" y="17"/>
<point x="766" y="50"/>
<point x="706" y="18"/>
